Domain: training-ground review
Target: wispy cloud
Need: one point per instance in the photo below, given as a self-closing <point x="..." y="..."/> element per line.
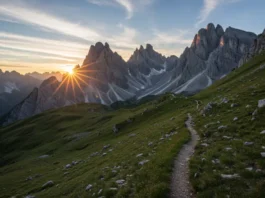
<point x="131" y="6"/>
<point x="14" y="47"/>
<point x="208" y="7"/>
<point x="44" y="20"/>
<point x="173" y="37"/>
<point x="127" y="4"/>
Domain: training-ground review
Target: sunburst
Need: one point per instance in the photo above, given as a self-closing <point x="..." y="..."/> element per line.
<point x="74" y="78"/>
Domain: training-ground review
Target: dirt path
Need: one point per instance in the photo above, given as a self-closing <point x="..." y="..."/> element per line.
<point x="180" y="186"/>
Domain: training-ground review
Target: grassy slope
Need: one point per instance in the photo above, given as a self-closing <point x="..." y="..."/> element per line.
<point x="242" y="87"/>
<point x="54" y="133"/>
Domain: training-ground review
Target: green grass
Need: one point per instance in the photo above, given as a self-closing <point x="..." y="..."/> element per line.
<point x="245" y="86"/>
<point x="74" y="133"/>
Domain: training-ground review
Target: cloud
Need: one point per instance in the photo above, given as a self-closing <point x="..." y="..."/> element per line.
<point x="208" y="7"/>
<point x="38" y="18"/>
<point x="26" y="47"/>
<point x="126" y="39"/>
<point x="101" y="2"/>
<point x="127" y="4"/>
<point x="131" y="6"/>
<point x="175" y="37"/>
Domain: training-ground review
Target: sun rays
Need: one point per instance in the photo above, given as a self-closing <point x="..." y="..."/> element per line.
<point x="76" y="79"/>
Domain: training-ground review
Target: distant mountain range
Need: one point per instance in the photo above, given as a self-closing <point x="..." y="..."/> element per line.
<point x="14" y="87"/>
<point x="104" y="77"/>
<point x="45" y="75"/>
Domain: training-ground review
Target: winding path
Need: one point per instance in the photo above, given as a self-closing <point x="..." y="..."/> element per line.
<point x="180" y="185"/>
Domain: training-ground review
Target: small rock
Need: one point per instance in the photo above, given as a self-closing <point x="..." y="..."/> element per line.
<point x="263" y="147"/>
<point x="216" y="161"/>
<point x="172" y="118"/>
<point x="262" y="132"/>
<point x="30" y="196"/>
<point x="68" y="166"/>
<point x="261" y="103"/>
<point x="139" y="155"/>
<point x="204" y="144"/>
<point x="94" y="154"/>
<point x="227" y="137"/>
<point x="113" y="189"/>
<point x="249" y="168"/>
<point x="48" y="184"/>
<point x="143" y="162"/>
<point x="29" y="178"/>
<point x="234" y="105"/>
<point x="235" y="118"/>
<point x="106" y="146"/>
<point x="89" y="186"/>
<point x="120" y="181"/>
<point x="115" y="129"/>
<point x="224" y="176"/>
<point x="248" y="143"/>
<point x="104" y="154"/>
<point x="100" y="191"/>
<point x="222" y="127"/>
<point x="43" y="156"/>
<point x="228" y="148"/>
<point x="132" y="135"/>
<point x="262" y="154"/>
<point x="255" y="112"/>
<point x="248" y="106"/>
<point x="150" y="143"/>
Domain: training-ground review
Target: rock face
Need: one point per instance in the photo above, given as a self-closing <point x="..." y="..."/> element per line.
<point x="104" y="77"/>
<point x="213" y="54"/>
<point x="14" y="87"/>
<point x="39" y="100"/>
<point x="258" y="46"/>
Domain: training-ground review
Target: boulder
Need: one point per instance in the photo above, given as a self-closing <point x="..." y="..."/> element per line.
<point x="48" y="184"/>
<point x="261" y="103"/>
<point x="226" y="176"/>
<point x="89" y="186"/>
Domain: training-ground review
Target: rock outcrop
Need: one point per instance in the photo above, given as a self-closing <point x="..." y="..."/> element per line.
<point x="14" y="88"/>
<point x="258" y="46"/>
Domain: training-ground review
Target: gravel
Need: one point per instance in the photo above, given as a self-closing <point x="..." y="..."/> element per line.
<point x="180" y="186"/>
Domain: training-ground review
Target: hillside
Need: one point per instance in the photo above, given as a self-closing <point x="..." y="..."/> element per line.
<point x="91" y="150"/>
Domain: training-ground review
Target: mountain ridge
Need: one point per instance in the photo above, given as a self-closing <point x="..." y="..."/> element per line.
<point x="104" y="77"/>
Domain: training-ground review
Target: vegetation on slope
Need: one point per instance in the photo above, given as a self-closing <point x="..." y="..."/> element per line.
<point x="137" y="161"/>
<point x="235" y="149"/>
<point x="83" y="133"/>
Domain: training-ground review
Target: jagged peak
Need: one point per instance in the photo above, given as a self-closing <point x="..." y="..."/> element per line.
<point x="263" y="32"/>
<point x="49" y="81"/>
<point x="141" y="48"/>
<point x="210" y="26"/>
<point x="107" y="45"/>
<point x="149" y="47"/>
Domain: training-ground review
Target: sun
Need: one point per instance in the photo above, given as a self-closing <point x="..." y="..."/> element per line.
<point x="69" y="70"/>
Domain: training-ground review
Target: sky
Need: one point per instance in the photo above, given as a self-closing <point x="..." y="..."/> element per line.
<point x="55" y="35"/>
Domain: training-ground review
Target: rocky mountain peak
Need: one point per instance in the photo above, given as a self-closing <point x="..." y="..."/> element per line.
<point x="210" y="27"/>
<point x="149" y="47"/>
<point x="48" y="82"/>
<point x="219" y="30"/>
<point x="206" y="40"/>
